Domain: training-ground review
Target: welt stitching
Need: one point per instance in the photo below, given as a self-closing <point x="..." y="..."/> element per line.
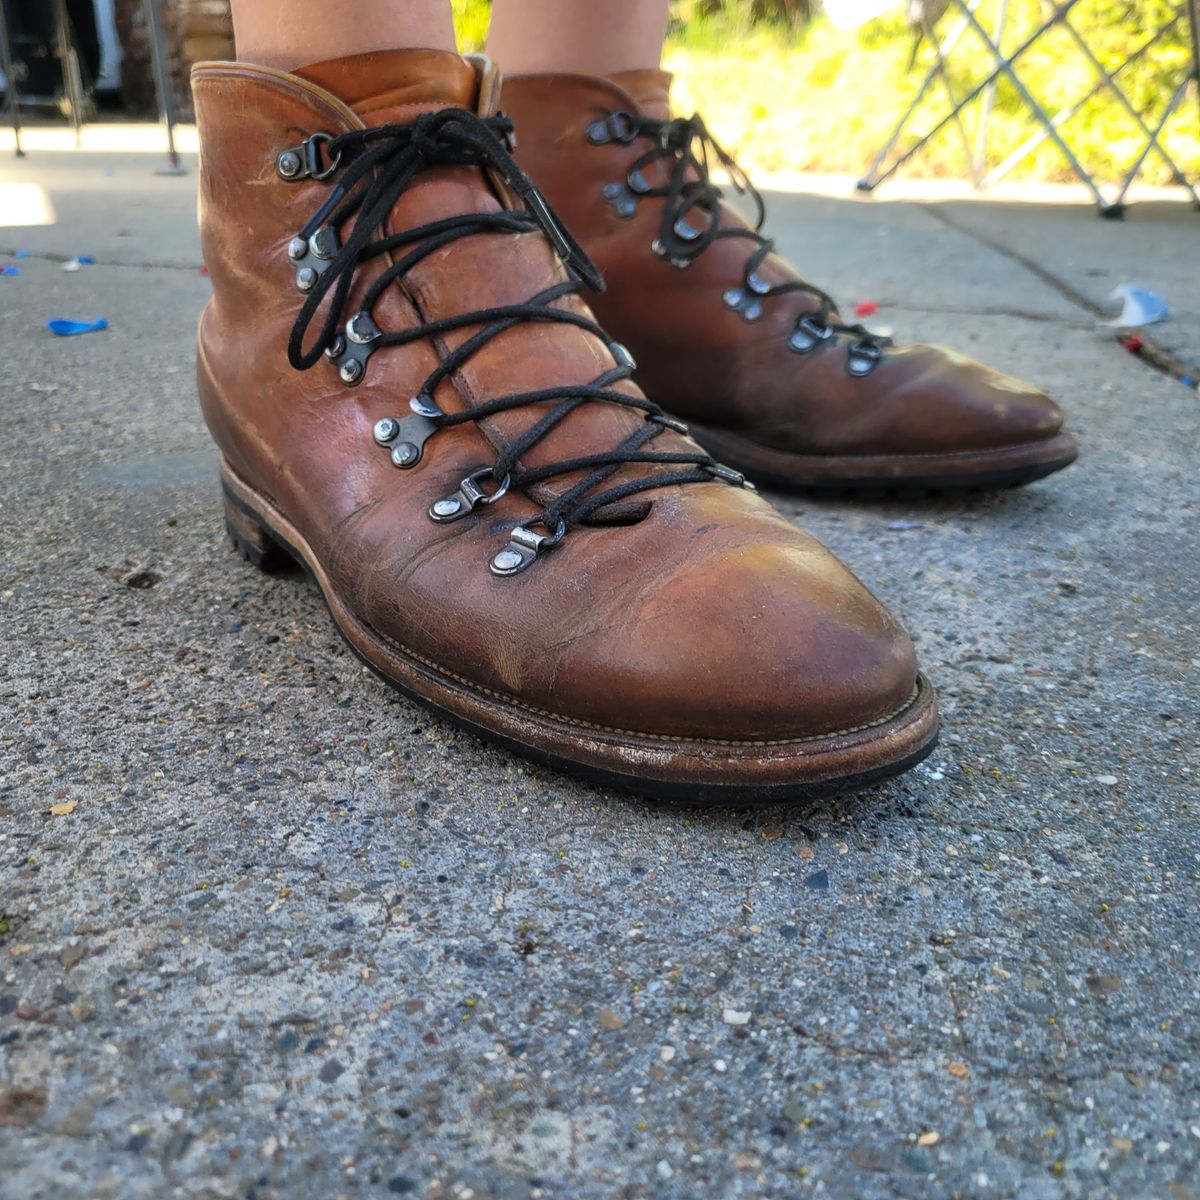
<point x="657" y="737"/>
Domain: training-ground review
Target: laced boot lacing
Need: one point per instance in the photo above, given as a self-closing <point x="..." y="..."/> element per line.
<point x="692" y="222"/>
<point x="373" y="168"/>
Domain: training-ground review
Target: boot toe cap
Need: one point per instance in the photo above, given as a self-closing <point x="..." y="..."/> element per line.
<point x="771" y="642"/>
<point x="949" y="402"/>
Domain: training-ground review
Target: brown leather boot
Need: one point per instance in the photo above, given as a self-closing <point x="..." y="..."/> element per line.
<point x="411" y="401"/>
<point x="727" y="335"/>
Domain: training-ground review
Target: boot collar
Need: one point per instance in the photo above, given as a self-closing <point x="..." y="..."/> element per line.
<point x="395" y="85"/>
<point x="650" y="91"/>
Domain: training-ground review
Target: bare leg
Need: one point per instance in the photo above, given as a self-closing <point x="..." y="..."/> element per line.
<point x="290" y="33"/>
<point x="588" y="37"/>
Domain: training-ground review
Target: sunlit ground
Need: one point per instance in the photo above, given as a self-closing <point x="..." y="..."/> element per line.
<point x="22" y="203"/>
<point x="115" y="137"/>
<point x="25" y="204"/>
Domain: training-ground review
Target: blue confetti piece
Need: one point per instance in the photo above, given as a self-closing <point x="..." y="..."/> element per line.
<point x="9" y="269"/>
<point x="65" y="327"/>
<point x="86" y="259"/>
<point x="1139" y="306"/>
<point x="21" y="254"/>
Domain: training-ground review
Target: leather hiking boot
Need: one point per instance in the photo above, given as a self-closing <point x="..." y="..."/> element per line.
<point x="412" y="401"/>
<point x="728" y="336"/>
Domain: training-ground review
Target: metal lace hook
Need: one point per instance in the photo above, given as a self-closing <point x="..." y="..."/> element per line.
<point x="469" y="496"/>
<point x="524" y="547"/>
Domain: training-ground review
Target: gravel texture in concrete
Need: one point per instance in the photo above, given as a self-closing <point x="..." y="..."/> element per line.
<point x="267" y="930"/>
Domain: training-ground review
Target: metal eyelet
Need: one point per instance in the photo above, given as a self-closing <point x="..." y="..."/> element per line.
<point x="623" y="201"/>
<point x="757" y="284"/>
<point x="304" y="161"/>
<point x="680" y="264"/>
<point x="523" y="548"/>
<point x="386" y="429"/>
<point x="809" y="334"/>
<point x="744" y="302"/>
<point x="424" y="406"/>
<point x="349" y="353"/>
<point x="311" y="258"/>
<point x="324" y="243"/>
<point x="406" y="436"/>
<point x="863" y="357"/>
<point x="637" y="182"/>
<point x="289" y="163"/>
<point x="361" y="329"/>
<point x="616" y="127"/>
<point x="689" y="233"/>
<point x="469" y="497"/>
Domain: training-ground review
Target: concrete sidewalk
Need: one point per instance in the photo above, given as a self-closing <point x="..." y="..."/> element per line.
<point x="267" y="930"/>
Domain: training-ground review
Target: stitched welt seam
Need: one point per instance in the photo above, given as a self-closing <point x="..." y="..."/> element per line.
<point x="654" y="737"/>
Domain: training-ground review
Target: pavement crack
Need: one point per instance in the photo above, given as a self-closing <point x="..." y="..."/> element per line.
<point x="1141" y="344"/>
<point x="1061" y="286"/>
<point x="1001" y="310"/>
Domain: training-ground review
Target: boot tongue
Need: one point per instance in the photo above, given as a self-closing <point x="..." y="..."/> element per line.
<point x="651" y="90"/>
<point x="395" y="87"/>
<point x="388" y="86"/>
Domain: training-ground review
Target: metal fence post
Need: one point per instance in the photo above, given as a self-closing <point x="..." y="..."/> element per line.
<point x="10" y="82"/>
<point x="162" y="85"/>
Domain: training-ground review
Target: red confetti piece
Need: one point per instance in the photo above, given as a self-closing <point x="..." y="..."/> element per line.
<point x="1132" y="343"/>
<point x="866" y="308"/>
<point x="203" y="270"/>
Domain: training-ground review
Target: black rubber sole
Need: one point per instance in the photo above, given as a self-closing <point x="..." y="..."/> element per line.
<point x="909" y="489"/>
<point x="905" y="480"/>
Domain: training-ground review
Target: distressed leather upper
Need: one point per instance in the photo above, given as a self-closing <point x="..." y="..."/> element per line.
<point x="699" y="358"/>
<point x="711" y="617"/>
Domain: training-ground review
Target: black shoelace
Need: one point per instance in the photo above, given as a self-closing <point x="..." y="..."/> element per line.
<point x="692" y="222"/>
<point x="373" y="167"/>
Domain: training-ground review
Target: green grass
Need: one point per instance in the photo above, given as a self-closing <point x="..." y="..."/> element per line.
<point x="822" y="99"/>
<point x="471" y="19"/>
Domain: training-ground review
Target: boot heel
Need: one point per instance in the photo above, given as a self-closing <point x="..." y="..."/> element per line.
<point x="252" y="540"/>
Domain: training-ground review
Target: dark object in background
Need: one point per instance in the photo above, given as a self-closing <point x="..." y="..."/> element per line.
<point x="193" y="30"/>
<point x="33" y="35"/>
<point x="792" y="13"/>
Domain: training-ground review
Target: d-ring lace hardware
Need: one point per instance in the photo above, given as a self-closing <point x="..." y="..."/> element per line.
<point x="469" y="496"/>
<point x="691" y="222"/>
<point x="810" y="332"/>
<point x="524" y="547"/>
<point x="304" y="161"/>
<point x="378" y="165"/>
<point x="863" y="357"/>
<point x="618" y="126"/>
